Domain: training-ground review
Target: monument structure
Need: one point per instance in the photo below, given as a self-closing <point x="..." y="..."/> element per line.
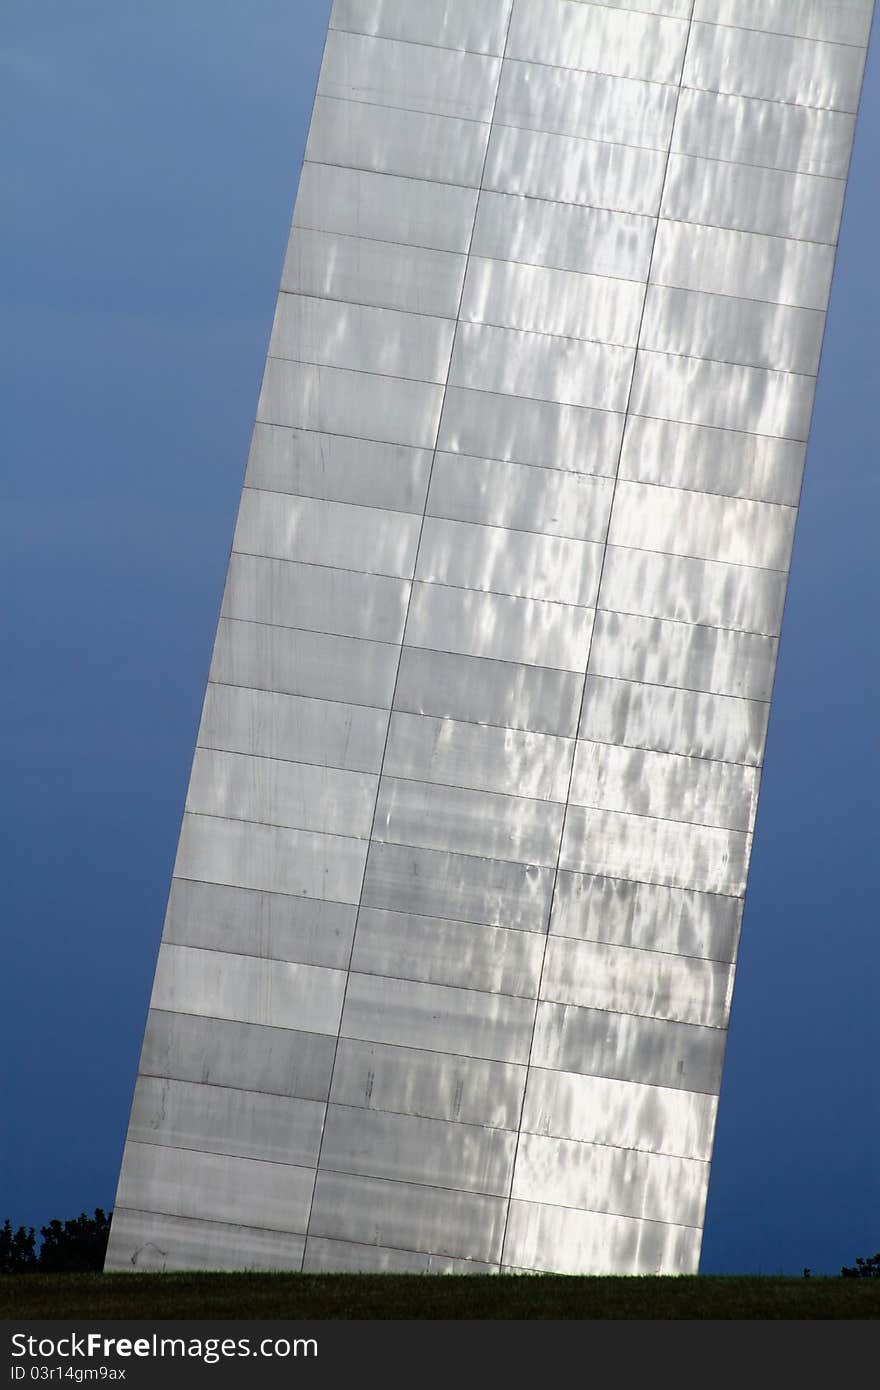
<point x="446" y="971"/>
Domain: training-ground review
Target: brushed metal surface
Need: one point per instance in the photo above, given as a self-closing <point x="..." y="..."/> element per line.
<point x="574" y="169"/>
<point x="436" y="1085"/>
<point x="547" y="501"/>
<point x="478" y="690"/>
<point x="149" y="1242"/>
<point x="406" y="210"/>
<point x="335" y="469"/>
<point x="405" y="946"/>
<point x="478" y="756"/>
<point x="293" y="728"/>
<point x="446" y="969"/>
<point x="624" y="1114"/>
<point x="591" y="240"/>
<point x="848" y="21"/>
<point x="594" y="907"/>
<point x="478" y="25"/>
<point x="587" y="1242"/>
<point x="632" y="714"/>
<point x="530" y="431"/>
<point x="410" y="76"/>
<point x="772" y="135"/>
<point x="383" y="274"/>
<point x="457" y="886"/>
<point x="313" y="665"/>
<point x="386" y="140"/>
<point x="220" y="1120"/>
<point x="221" y="1052"/>
<point x="775" y="67"/>
<point x="717" y="461"/>
<point x="273" y="925"/>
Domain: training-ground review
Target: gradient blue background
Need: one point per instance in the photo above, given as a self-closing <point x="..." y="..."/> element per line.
<point x="154" y="159"/>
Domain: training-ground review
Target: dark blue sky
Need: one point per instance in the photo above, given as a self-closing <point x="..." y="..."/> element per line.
<point x="154" y="158"/>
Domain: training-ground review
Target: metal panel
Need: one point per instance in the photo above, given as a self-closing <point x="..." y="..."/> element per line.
<point x="728" y="329"/>
<point x="693" y="591"/>
<point x="437" y="1085"/>
<point x="458" y="886"/>
<point x="246" y="990"/>
<point x="557" y="302"/>
<point x="749" y="199"/>
<point x="712" y="460"/>
<point x="547" y="1238"/>
<point x="666" y="785"/>
<point x="220" y="918"/>
<point x="543" y="500"/>
<point x="380" y="273"/>
<point x="386" y="140"/>
<point x="651" y="983"/>
<point x="490" y="759"/>
<point x="715" y="393"/>
<point x="563" y="102"/>
<point x="151" y="1243"/>
<point x="468" y="1158"/>
<point x="566" y="370"/>
<point x="775" y="67"/>
<point x="538" y="164"/>
<point x="846" y="21"/>
<point x="708" y="859"/>
<point x="590" y="240"/>
<point x="359" y="338"/>
<point x="436" y="952"/>
<point x="215" y="1187"/>
<point x="408" y="211"/>
<point x="715" y="260"/>
<point x="409" y="1217"/>
<point x="438" y="1017"/>
<point x="216" y="1119"/>
<point x="527" y="431"/>
<point x="307" y="397"/>
<point x="769" y="134"/>
<point x="336" y="469"/>
<point x="478" y="25"/>
<point x="293" y="728"/>
<point x="596" y="1110"/>
<point x="624" y="913"/>
<point x="626" y="43"/>
<point x="466" y="842"/>
<point x="270" y="792"/>
<point x="500" y="561"/>
<point x="246" y="855"/>
<point x="427" y="816"/>
<point x="327" y="533"/>
<point x="697" y="524"/>
<point x="315" y="597"/>
<point x="593" y="1042"/>
<point x="219" y="1052"/>
<point x="720" y="662"/>
<point x="480" y="691"/>
<point x="304" y="663"/>
<point x="634" y="715"/>
<point x="335" y="1256"/>
<point x="590" y="1177"/>
<point x="498" y="626"/>
<point x="412" y="76"/>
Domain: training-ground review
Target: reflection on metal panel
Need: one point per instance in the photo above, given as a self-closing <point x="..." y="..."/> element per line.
<point x="447" y="963"/>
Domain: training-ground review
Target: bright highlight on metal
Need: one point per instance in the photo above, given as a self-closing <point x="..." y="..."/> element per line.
<point x="446" y="972"/>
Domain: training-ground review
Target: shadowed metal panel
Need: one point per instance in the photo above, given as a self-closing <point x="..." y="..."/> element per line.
<point x="447" y="963"/>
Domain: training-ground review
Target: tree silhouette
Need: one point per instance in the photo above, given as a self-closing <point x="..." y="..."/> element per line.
<point x="67" y="1247"/>
<point x="868" y="1268"/>
<point x="17" y="1249"/>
